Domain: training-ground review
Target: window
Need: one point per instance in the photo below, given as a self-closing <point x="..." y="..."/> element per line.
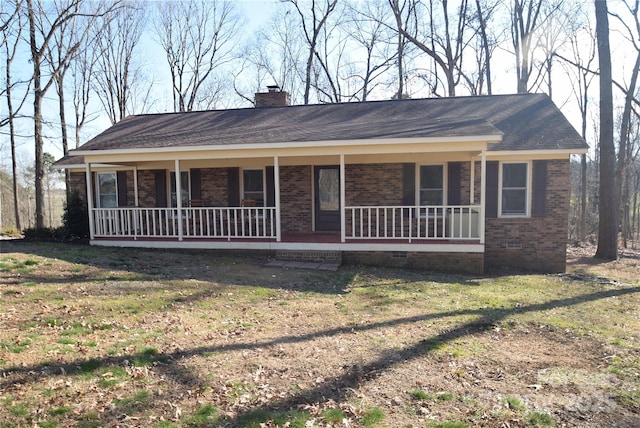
<point x="514" y="189"/>
<point x="184" y="185"/>
<point x="432" y="185"/>
<point x="107" y="190"/>
<point x="253" y="185"/>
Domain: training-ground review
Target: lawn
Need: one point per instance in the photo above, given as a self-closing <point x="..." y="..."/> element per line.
<point x="100" y="337"/>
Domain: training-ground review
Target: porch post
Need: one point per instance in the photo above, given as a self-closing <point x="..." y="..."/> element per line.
<point x="135" y="185"/>
<point x="179" y="199"/>
<point x="343" y="198"/>
<point x="483" y="191"/>
<point x="90" y="200"/>
<point x="472" y="181"/>
<point x="276" y="187"/>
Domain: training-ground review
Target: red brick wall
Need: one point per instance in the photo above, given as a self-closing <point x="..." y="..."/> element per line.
<point x="146" y="188"/>
<point x="214" y="187"/>
<point x="373" y="184"/>
<point x="295" y="199"/>
<point x="471" y="263"/>
<point x="537" y="244"/>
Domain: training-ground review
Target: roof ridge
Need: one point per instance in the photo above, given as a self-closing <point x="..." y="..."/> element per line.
<point x="343" y="103"/>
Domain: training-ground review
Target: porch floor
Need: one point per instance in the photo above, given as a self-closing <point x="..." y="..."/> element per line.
<point x="305" y="238"/>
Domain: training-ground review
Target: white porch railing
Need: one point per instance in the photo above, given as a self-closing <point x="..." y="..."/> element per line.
<point x="207" y="222"/>
<point x="445" y="222"/>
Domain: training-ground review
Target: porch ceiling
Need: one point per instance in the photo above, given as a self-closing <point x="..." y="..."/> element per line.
<point x="321" y="152"/>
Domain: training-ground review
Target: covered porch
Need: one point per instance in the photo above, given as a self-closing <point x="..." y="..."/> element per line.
<point x="299" y="207"/>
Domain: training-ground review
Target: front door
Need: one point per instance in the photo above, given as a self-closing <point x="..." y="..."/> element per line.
<point x="327" y="198"/>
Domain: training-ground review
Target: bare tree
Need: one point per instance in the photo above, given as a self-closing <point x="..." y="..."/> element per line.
<point x="623" y="150"/>
<point x="81" y="74"/>
<point x="11" y="30"/>
<point x="446" y="38"/>
<point x="67" y="43"/>
<point x="405" y="23"/>
<point x="117" y="75"/>
<point x="198" y="37"/>
<point x="43" y="26"/>
<point x="608" y="206"/>
<point x="372" y="37"/>
<point x="578" y="68"/>
<point x="554" y="32"/>
<point x="272" y="57"/>
<point x="485" y="11"/>
<point x="526" y="18"/>
<point x="313" y="19"/>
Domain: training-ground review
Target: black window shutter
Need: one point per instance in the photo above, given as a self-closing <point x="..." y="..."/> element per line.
<point x="233" y="186"/>
<point x="196" y="191"/>
<point x="408" y="184"/>
<point x="271" y="187"/>
<point x="454" y="190"/>
<point x="161" y="188"/>
<point x="491" y="198"/>
<point x="121" y="178"/>
<point x="539" y="204"/>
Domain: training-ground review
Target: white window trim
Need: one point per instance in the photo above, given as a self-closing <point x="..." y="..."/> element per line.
<point x="264" y="183"/>
<point x="97" y="187"/>
<point x="445" y="180"/>
<point x="527" y="201"/>
<point x="169" y="182"/>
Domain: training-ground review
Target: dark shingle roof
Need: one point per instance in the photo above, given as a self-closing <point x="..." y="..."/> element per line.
<point x="527" y="122"/>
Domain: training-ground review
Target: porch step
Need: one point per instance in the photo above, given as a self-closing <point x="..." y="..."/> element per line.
<point x="322" y="257"/>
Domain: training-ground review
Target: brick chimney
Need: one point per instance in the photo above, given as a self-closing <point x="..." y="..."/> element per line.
<point x="275" y="97"/>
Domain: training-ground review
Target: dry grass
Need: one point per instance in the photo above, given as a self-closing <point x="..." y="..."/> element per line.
<point x="96" y="337"/>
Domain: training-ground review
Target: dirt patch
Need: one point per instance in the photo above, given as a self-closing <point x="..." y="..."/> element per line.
<point x="626" y="269"/>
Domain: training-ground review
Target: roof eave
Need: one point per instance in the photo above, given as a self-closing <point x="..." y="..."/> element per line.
<point x="488" y="139"/>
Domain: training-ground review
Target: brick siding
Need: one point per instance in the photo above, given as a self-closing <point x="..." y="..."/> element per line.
<point x="537" y="244"/>
<point x="295" y="199"/>
<point x="471" y="263"/>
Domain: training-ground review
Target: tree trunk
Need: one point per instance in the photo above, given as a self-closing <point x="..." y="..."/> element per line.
<point x="63" y="127"/>
<point x="12" y="138"/>
<point x="608" y="205"/>
<point x="582" y="234"/>
<point x="485" y="45"/>
<point x="37" y="118"/>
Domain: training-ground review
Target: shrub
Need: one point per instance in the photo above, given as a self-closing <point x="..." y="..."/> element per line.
<point x="76" y="217"/>
<point x="44" y="233"/>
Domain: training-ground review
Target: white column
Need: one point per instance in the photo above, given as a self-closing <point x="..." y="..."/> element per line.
<point x="90" y="200"/>
<point x="472" y="180"/>
<point x="179" y="198"/>
<point x="276" y="186"/>
<point x="483" y="191"/>
<point x="135" y="185"/>
<point x="343" y="198"/>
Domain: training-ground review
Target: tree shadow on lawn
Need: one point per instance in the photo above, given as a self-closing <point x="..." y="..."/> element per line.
<point x="121" y="266"/>
<point x="335" y="388"/>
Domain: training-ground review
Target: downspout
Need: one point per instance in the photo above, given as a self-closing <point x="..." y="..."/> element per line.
<point x="90" y="201"/>
<point x="276" y="186"/>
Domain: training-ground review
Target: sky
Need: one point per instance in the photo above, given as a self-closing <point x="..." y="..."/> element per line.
<point x="258" y="14"/>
